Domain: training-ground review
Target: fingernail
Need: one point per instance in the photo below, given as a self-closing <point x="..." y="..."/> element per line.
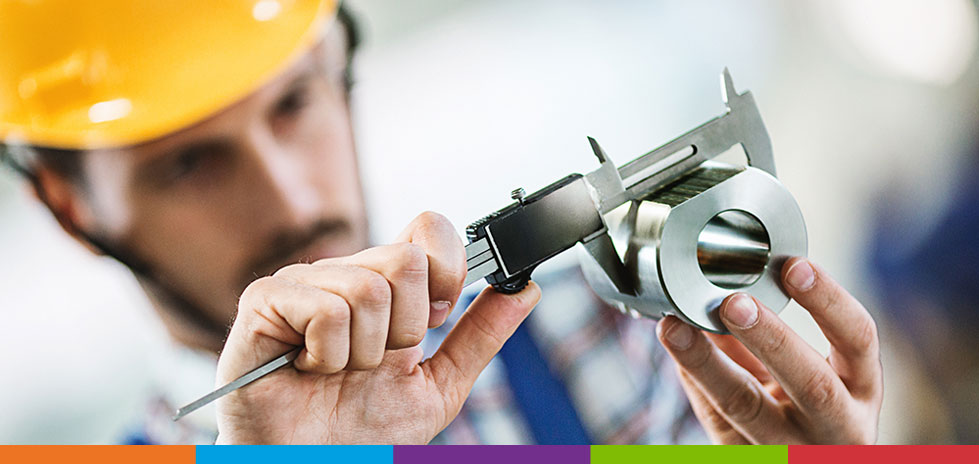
<point x="800" y="276"/>
<point x="680" y="335"/>
<point x="741" y="311"/>
<point x="439" y="312"/>
<point x="440" y="305"/>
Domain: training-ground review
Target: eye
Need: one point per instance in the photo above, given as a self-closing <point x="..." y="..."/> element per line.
<point x="185" y="164"/>
<point x="293" y="102"/>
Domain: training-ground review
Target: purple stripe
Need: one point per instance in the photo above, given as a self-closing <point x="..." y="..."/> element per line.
<point x="491" y="454"/>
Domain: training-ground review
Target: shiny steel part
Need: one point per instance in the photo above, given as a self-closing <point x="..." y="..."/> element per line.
<point x="480" y="261"/>
<point x="246" y="379"/>
<point x="733" y="249"/>
<point x="569" y="211"/>
<point x="719" y="229"/>
<point x="742" y="124"/>
<point x="686" y="231"/>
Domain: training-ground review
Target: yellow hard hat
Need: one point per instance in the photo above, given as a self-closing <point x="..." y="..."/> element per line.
<point x="83" y="74"/>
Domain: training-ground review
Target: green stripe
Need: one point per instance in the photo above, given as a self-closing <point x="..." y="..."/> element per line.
<point x="690" y="454"/>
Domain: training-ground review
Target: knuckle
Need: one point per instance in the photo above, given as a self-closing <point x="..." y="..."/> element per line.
<point x="431" y="217"/>
<point x="291" y="270"/>
<point x="430" y="224"/>
<point x="833" y="297"/>
<point x="486" y="329"/>
<point x="372" y="289"/>
<point x="411" y="260"/>
<point x="256" y="291"/>
<point x="819" y="392"/>
<point x="865" y="339"/>
<point x="714" y="420"/>
<point x="775" y="342"/>
<point x="743" y="404"/>
<point x="699" y="356"/>
<point x="406" y="339"/>
<point x="323" y="363"/>
<point x="336" y="311"/>
<point x="457" y="273"/>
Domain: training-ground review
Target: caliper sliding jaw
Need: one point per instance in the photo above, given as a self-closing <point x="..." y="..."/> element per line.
<point x="507" y="245"/>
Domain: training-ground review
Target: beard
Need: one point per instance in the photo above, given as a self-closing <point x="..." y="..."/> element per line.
<point x="201" y="328"/>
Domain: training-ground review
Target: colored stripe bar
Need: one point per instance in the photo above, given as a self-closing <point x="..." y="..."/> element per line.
<point x="97" y="454"/>
<point x="685" y="454"/>
<point x="491" y="454"/>
<point x="888" y="454"/>
<point x="294" y="454"/>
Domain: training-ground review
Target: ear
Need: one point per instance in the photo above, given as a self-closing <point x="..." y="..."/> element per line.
<point x="66" y="204"/>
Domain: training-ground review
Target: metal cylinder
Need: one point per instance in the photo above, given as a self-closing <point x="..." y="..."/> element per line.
<point x="717" y="230"/>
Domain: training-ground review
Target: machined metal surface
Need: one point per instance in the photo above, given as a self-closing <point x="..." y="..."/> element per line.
<point x="742" y="124"/>
<point x="733" y="249"/>
<point x="537" y="227"/>
<point x="690" y="251"/>
<point x="677" y="231"/>
<point x="480" y="261"/>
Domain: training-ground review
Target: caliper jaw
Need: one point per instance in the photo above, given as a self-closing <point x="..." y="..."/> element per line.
<point x="507" y="245"/>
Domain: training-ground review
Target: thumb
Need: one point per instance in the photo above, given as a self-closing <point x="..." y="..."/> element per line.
<point x="480" y="333"/>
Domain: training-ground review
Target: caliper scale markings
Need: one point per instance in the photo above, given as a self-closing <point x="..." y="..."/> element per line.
<point x="480" y="261"/>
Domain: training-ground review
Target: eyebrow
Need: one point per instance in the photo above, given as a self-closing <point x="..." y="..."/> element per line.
<point x="303" y="77"/>
<point x="149" y="171"/>
<point x="307" y="72"/>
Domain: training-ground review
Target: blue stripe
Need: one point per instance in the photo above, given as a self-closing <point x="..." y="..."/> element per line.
<point x="295" y="454"/>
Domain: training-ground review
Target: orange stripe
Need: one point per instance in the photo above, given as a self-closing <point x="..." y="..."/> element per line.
<point x="97" y="454"/>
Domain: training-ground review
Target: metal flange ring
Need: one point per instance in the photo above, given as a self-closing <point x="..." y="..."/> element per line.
<point x="752" y="191"/>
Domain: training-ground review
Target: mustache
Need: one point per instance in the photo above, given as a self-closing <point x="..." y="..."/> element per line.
<point x="286" y="244"/>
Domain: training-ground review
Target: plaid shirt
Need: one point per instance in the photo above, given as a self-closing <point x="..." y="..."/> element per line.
<point x="619" y="379"/>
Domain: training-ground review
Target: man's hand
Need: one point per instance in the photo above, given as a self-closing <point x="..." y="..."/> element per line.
<point x="764" y="384"/>
<point x="360" y="378"/>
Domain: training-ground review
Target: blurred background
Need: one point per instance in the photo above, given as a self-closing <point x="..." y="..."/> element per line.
<point x="872" y="106"/>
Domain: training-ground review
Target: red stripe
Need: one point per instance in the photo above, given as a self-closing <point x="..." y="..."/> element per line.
<point x="883" y="454"/>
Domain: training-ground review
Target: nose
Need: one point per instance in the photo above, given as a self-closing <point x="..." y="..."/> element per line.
<point x="280" y="183"/>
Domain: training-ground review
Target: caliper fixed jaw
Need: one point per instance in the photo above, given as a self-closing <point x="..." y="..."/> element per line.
<point x="509" y="244"/>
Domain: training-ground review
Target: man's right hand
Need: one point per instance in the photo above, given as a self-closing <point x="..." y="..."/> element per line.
<point x="360" y="378"/>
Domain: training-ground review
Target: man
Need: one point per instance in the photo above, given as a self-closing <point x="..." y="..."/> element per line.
<point x="207" y="145"/>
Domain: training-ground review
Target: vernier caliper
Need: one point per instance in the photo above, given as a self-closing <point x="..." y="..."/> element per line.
<point x="507" y="245"/>
<point x="667" y="233"/>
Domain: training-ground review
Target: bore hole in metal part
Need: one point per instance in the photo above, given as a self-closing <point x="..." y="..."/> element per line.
<point x="733" y="249"/>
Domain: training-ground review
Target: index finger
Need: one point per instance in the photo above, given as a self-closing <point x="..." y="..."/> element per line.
<point x="446" y="261"/>
<point x="851" y="331"/>
<point x="802" y="372"/>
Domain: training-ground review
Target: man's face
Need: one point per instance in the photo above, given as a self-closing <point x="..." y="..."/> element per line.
<point x="269" y="181"/>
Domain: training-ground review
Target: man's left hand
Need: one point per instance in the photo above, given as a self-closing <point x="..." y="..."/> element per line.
<point x="765" y="385"/>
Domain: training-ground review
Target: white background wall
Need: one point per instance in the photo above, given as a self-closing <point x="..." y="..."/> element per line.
<point x="459" y="102"/>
